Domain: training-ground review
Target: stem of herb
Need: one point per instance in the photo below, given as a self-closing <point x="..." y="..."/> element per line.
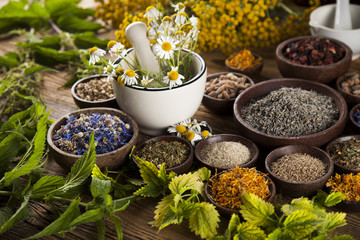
<point x="286" y="9"/>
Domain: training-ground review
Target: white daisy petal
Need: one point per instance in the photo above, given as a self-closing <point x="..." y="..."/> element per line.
<point x="95" y="54"/>
<point x="173" y="78"/>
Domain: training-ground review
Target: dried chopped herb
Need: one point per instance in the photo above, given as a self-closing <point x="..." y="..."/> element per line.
<point x="227" y="188"/>
<point x="97" y="89"/>
<point x="243" y="59"/>
<point x="347" y="153"/>
<point x="172" y="153"/>
<point x="348" y="184"/>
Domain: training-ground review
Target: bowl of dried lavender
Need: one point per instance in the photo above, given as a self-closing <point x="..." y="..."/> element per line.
<point x="224" y="151"/>
<point x="226" y="188"/>
<point x="176" y="153"/>
<point x="221" y="90"/>
<point x="344" y="152"/>
<point x="115" y="134"/>
<point x="349" y="87"/>
<point x="282" y="112"/>
<point x="94" y="91"/>
<point x="318" y="59"/>
<point x="299" y="170"/>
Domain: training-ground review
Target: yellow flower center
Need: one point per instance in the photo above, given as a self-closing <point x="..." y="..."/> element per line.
<point x="173" y="75"/>
<point x="120" y="70"/>
<point x="181" y="5"/>
<point x="181" y="129"/>
<point x="205" y="133"/>
<point x="153" y="41"/>
<point x="166" y="18"/>
<point x="111" y="44"/>
<point x="148" y="8"/>
<point x="120" y="81"/>
<point x="179" y="32"/>
<point x="189" y="135"/>
<point x="130" y="73"/>
<point x="166" y="46"/>
<point x="182" y="14"/>
<point x="150" y="20"/>
<point x="92" y="50"/>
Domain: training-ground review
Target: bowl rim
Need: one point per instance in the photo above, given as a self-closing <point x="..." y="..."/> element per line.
<point x="213" y="75"/>
<point x="245" y="69"/>
<point x="167" y="138"/>
<point x="52" y="129"/>
<point x="204" y="142"/>
<point x="343" y="78"/>
<point x="280" y="56"/>
<point x="342" y="114"/>
<point x="329" y="168"/>
<point x="87" y="79"/>
<point x="338" y="140"/>
<point x="352" y="112"/>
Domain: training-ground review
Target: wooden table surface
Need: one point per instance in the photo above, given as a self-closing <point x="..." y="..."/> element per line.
<point x="136" y="217"/>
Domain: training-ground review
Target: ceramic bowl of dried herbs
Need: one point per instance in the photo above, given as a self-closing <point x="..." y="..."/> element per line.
<point x="344" y="152"/>
<point x="287" y="111"/>
<point x="221" y="90"/>
<point x="94" y="91"/>
<point x="354" y="116"/>
<point x="314" y="58"/>
<point x="349" y="87"/>
<point x="115" y="134"/>
<point x="245" y="62"/>
<point x="299" y="170"/>
<point x="176" y="153"/>
<point x="225" y="189"/>
<point x="224" y="151"/>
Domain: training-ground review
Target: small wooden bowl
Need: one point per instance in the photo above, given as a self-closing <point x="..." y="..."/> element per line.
<point x="339" y="168"/>
<point x="228" y="211"/>
<point x="354" y="125"/>
<point x="322" y="74"/>
<point x="221" y="106"/>
<point x="252" y="71"/>
<point x="299" y="189"/>
<point x="254" y="150"/>
<point x="111" y="160"/>
<point x="82" y="103"/>
<point x="179" y="169"/>
<point x="351" y="99"/>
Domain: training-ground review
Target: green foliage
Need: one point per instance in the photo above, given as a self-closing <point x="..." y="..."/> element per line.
<point x="302" y="219"/>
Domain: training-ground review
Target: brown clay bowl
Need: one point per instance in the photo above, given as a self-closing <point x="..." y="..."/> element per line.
<point x="354" y="125"/>
<point x="111" y="160"/>
<point x="82" y="103"/>
<point x="179" y="169"/>
<point x="225" y="211"/>
<point x="254" y="150"/>
<point x="252" y="71"/>
<point x="322" y="74"/>
<point x="338" y="167"/>
<point x="298" y="189"/>
<point x="351" y="99"/>
<point x="218" y="105"/>
<point x="271" y="141"/>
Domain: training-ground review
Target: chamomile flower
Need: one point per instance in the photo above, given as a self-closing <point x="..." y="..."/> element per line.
<point x="145" y="80"/>
<point x="180" y="128"/>
<point x="192" y="137"/>
<point x="110" y="69"/>
<point x="152" y="12"/>
<point x="179" y="7"/>
<point x="180" y="18"/>
<point x="95" y="54"/>
<point x="173" y="78"/>
<point x="153" y="23"/>
<point x="194" y="21"/>
<point x="165" y="47"/>
<point x="115" y="48"/>
<point x="129" y="77"/>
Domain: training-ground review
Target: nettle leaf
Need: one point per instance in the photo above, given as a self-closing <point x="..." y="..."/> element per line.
<point x="101" y="230"/>
<point x="62" y="222"/>
<point x="99" y="187"/>
<point x="278" y="234"/>
<point x="51" y="57"/>
<point x="301" y="223"/>
<point x="76" y="24"/>
<point x="232" y="227"/>
<point x="9" y="148"/>
<point x="89" y="216"/>
<point x="204" y="220"/>
<point x="48" y="41"/>
<point x="58" y="8"/>
<point x="121" y="204"/>
<point x="9" y="60"/>
<point x="333" y="220"/>
<point x="47" y="184"/>
<point x="117" y="226"/>
<point x="251" y="232"/>
<point x="334" y="198"/>
<point x="204" y="173"/>
<point x="342" y="237"/>
<point x="88" y="40"/>
<point x="256" y="211"/>
<point x="181" y="183"/>
<point x="5" y="214"/>
<point x="297" y="204"/>
<point x="37" y="68"/>
<point x="161" y="208"/>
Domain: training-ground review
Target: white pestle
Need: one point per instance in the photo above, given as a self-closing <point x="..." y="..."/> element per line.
<point x="136" y="33"/>
<point x="342" y="15"/>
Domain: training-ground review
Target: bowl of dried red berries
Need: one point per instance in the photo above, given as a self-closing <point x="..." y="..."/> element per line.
<point x="318" y="59"/>
<point x="115" y="133"/>
<point x="349" y="87"/>
<point x="221" y="90"/>
<point x="94" y="91"/>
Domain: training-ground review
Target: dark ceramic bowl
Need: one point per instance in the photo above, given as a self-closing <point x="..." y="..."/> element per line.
<point x="254" y="150"/>
<point x="348" y="206"/>
<point x="322" y="74"/>
<point x="179" y="169"/>
<point x="221" y="106"/>
<point x="351" y="99"/>
<point x="252" y="71"/>
<point x="270" y="141"/>
<point x="339" y="168"/>
<point x="228" y="211"/>
<point x="298" y="189"/>
<point x="82" y="103"/>
<point x="354" y="126"/>
<point x="111" y="160"/>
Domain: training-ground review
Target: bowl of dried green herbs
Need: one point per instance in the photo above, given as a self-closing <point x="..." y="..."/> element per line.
<point x="115" y="133"/>
<point x="344" y="152"/>
<point x="175" y="153"/>
<point x="299" y="170"/>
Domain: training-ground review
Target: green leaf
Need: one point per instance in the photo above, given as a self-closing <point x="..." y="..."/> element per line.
<point x="204" y="220"/>
<point x="232" y="227"/>
<point x="9" y="60"/>
<point x="89" y="216"/>
<point x="88" y="40"/>
<point x="256" y="211"/>
<point x="21" y="214"/>
<point x="250" y="232"/>
<point x="184" y="182"/>
<point x="101" y="229"/>
<point x="117" y="226"/>
<point x="297" y="204"/>
<point x="333" y="220"/>
<point x="51" y="57"/>
<point x="48" y="42"/>
<point x="58" y="8"/>
<point x="5" y="213"/>
<point x="99" y="187"/>
<point x="32" y="70"/>
<point x="343" y="237"/>
<point x="278" y="234"/>
<point x="334" y="198"/>
<point x="75" y="24"/>
<point x="9" y="148"/>
<point x="300" y="224"/>
<point x="47" y="184"/>
<point x="204" y="173"/>
<point x="96" y="173"/>
<point x="161" y="208"/>
<point x="123" y="203"/>
<point x="63" y="222"/>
